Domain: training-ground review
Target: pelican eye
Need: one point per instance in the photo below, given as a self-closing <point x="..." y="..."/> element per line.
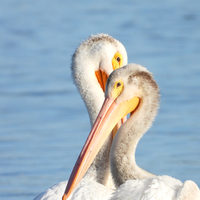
<point x="118" y="84"/>
<point x="117" y="89"/>
<point x="117" y="61"/>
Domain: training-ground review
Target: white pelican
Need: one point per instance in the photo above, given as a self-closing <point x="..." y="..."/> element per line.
<point x="130" y="89"/>
<point x="92" y="62"/>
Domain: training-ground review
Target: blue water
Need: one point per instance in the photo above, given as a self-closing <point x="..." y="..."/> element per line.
<point x="43" y="121"/>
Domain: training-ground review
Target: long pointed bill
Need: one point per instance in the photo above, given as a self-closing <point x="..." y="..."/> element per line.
<point x="102" y="79"/>
<point x="109" y="115"/>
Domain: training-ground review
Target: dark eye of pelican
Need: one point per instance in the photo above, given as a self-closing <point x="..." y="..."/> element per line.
<point x="118" y="59"/>
<point x="118" y="84"/>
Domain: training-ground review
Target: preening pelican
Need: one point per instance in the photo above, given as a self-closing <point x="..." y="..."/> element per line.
<point x="130" y="89"/>
<point x="92" y="63"/>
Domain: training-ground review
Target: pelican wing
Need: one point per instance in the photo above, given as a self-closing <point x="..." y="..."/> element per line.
<point x="188" y="191"/>
<point x="86" y="190"/>
<point x="54" y="192"/>
<point x="156" y="188"/>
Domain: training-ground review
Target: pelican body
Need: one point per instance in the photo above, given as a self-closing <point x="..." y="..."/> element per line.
<point x="92" y="63"/>
<point x="131" y="89"/>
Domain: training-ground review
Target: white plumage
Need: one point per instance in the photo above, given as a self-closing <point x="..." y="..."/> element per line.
<point x="157" y="188"/>
<point x="84" y="191"/>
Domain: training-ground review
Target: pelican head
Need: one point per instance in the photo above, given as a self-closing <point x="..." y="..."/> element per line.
<point x="92" y="63"/>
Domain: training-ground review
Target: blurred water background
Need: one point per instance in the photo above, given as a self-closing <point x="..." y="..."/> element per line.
<point x="43" y="121"/>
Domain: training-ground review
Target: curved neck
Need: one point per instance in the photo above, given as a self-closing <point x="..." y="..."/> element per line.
<point x="122" y="158"/>
<point x="93" y="97"/>
<point x="88" y="87"/>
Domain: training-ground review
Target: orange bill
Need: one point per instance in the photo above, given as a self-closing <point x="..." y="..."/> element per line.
<point x="102" y="79"/>
<point x="117" y="126"/>
<point x="110" y="114"/>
